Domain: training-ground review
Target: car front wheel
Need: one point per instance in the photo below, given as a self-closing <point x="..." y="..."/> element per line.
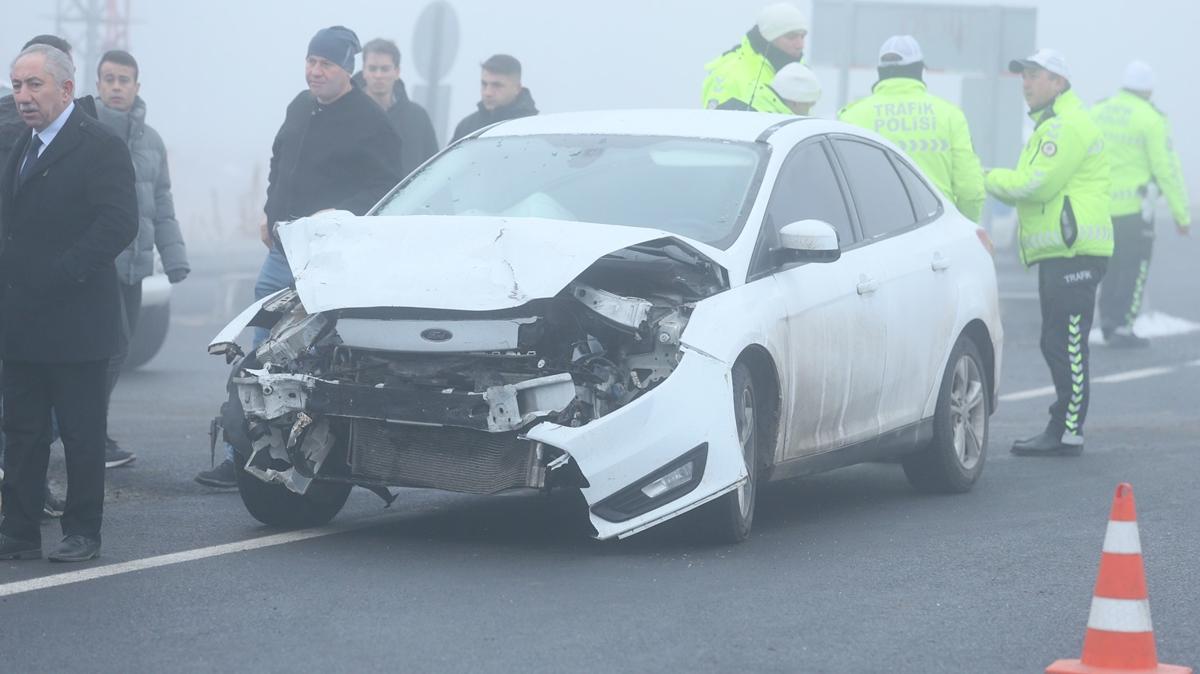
<point x="954" y="459"/>
<point x="277" y="506"/>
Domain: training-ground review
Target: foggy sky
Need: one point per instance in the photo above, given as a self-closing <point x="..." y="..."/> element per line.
<point x="217" y="75"/>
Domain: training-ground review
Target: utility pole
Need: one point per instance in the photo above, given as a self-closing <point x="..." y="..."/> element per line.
<point x="92" y="27"/>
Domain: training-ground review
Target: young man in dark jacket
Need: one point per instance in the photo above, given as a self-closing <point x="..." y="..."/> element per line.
<point x="502" y="96"/>
<point x="380" y="78"/>
<point x="336" y="150"/>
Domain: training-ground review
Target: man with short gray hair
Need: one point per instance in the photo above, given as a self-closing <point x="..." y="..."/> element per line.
<point x="69" y="208"/>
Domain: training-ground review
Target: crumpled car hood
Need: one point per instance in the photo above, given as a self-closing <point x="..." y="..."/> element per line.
<point x="342" y="261"/>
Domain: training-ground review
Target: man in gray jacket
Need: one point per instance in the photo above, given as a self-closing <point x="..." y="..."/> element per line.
<point x="124" y="113"/>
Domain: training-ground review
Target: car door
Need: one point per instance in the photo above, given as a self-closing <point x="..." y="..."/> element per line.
<point x="904" y="254"/>
<point x="834" y="367"/>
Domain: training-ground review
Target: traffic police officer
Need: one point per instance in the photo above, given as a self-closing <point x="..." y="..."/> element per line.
<point x="932" y="131"/>
<point x="746" y="72"/>
<point x="1061" y="191"/>
<point x="1138" y="144"/>
<point x="794" y="92"/>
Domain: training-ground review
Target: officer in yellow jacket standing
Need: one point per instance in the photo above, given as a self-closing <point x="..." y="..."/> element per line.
<point x="1061" y="192"/>
<point x="932" y="131"/>
<point x="1137" y="140"/>
<point x="746" y="71"/>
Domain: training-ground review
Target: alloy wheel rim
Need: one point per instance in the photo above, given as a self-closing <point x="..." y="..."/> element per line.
<point x="968" y="412"/>
<point x="745" y="430"/>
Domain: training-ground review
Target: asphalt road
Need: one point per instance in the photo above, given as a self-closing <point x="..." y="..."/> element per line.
<point x="851" y="571"/>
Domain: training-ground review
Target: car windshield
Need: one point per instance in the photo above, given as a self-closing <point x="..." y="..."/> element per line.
<point x="692" y="187"/>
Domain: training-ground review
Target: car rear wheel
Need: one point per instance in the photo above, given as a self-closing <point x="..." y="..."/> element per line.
<point x="277" y="506"/>
<point x="729" y="518"/>
<point x="954" y="459"/>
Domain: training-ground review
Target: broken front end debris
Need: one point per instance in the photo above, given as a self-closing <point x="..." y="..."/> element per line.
<point x="446" y="398"/>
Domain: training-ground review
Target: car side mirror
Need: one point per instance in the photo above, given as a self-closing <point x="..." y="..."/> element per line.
<point x="807" y="241"/>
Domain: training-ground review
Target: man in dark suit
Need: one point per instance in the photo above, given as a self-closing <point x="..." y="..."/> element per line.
<point x="68" y="209"/>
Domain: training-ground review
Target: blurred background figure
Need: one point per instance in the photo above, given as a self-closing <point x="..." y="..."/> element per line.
<point x="123" y="111"/>
<point x="1137" y="141"/>
<point x="502" y="96"/>
<point x="381" y="79"/>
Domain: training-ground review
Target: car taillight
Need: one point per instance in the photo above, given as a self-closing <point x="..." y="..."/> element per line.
<point x="985" y="240"/>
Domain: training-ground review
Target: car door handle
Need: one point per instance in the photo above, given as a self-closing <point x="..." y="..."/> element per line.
<point x="939" y="263"/>
<point x="866" y="286"/>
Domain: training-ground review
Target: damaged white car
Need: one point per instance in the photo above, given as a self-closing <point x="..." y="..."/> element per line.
<point x="661" y="309"/>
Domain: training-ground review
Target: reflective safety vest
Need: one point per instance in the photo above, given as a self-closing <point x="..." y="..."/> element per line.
<point x="740" y="73"/>
<point x="933" y="132"/>
<point x="1137" y="140"/>
<point x="1060" y="185"/>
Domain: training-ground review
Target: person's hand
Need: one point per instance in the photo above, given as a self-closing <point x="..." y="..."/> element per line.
<point x="264" y="233"/>
<point x="176" y="275"/>
<point x="1183" y="230"/>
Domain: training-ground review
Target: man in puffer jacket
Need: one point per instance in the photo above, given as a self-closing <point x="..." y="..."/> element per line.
<point x="124" y="113"/>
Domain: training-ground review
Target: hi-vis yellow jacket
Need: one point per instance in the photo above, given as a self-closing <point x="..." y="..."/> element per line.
<point x="932" y="131"/>
<point x="1060" y="185"/>
<point x="1137" y="140"/>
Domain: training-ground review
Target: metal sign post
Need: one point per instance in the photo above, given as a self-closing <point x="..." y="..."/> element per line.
<point x="435" y="47"/>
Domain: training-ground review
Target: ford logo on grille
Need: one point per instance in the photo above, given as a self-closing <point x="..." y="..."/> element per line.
<point x="437" y="335"/>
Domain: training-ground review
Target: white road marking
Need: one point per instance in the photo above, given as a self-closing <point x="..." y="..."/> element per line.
<point x="70" y="577"/>
<point x="1117" y="378"/>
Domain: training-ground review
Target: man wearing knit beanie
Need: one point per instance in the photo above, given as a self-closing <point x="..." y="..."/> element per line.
<point x="336" y="150"/>
<point x="747" y="70"/>
<point x="1137" y="141"/>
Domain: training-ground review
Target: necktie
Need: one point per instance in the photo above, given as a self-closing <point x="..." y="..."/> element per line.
<point x="31" y="157"/>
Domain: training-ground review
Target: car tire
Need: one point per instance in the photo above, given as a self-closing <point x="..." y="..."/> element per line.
<point x="149" y="336"/>
<point x="729" y="518"/>
<point x="277" y="506"/>
<point x="954" y="459"/>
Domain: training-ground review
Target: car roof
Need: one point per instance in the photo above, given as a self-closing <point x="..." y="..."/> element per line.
<point x="716" y="124"/>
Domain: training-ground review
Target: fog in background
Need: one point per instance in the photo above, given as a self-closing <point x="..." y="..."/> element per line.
<point x="217" y="75"/>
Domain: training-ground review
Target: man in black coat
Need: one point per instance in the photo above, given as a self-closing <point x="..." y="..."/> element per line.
<point x="502" y="97"/>
<point x="380" y="79"/>
<point x="69" y="208"/>
<point x="336" y="150"/>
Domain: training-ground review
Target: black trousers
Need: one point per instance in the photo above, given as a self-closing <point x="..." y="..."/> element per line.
<point x="131" y="305"/>
<point x="77" y="393"/>
<point x="1125" y="282"/>
<point x="1067" y="289"/>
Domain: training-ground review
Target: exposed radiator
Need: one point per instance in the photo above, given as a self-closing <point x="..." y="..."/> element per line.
<point x="453" y="459"/>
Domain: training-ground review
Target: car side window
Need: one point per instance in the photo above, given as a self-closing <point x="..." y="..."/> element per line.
<point x="808" y="189"/>
<point x="924" y="201"/>
<point x="880" y="196"/>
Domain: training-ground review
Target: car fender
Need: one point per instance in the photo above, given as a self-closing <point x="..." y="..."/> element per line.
<point x="228" y="335"/>
<point x="692" y="407"/>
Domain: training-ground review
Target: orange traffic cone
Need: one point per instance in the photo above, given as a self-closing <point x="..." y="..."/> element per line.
<point x="1119" y="635"/>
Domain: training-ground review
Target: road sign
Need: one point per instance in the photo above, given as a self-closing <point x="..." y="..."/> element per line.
<point x="435" y="48"/>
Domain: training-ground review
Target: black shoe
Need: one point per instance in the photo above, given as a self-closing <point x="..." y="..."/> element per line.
<point x="76" y="548"/>
<point x="52" y="507"/>
<point x="223" y="476"/>
<point x="1046" y="444"/>
<point x="11" y="548"/>
<point x="114" y="456"/>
